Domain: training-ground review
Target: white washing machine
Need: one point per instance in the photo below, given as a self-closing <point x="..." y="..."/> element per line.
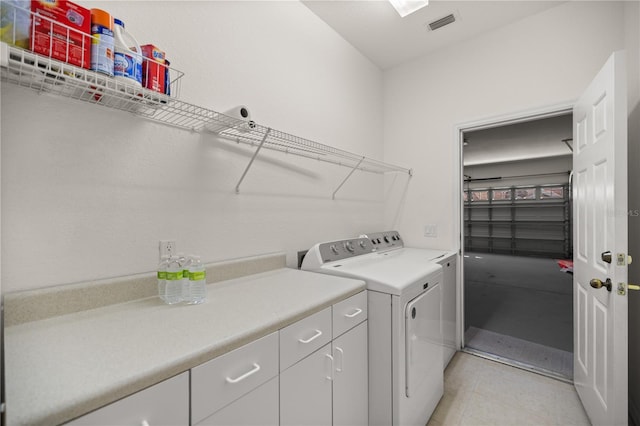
<point x="405" y="331"/>
<point x="391" y="245"/>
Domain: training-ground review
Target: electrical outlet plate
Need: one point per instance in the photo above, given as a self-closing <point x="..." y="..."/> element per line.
<point x="431" y="230"/>
<point x="167" y="247"/>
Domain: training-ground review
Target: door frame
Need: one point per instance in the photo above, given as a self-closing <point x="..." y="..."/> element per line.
<point x="548" y="111"/>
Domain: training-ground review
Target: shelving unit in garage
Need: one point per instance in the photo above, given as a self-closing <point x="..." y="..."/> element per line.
<point x="532" y="220"/>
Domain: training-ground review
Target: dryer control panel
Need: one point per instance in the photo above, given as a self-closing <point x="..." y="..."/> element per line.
<point x="344" y="249"/>
<point x="387" y="240"/>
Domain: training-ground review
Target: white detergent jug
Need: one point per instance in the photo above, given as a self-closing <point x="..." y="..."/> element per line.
<point x="128" y="56"/>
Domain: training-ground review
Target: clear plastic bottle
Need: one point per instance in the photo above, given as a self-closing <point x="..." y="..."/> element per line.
<point x="197" y="282"/>
<point x="184" y="261"/>
<point x="162" y="277"/>
<point x="173" y="292"/>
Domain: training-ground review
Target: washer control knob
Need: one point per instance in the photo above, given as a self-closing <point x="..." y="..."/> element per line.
<point x="349" y="246"/>
<point x="386" y="239"/>
<point x="362" y="244"/>
<point x="334" y="249"/>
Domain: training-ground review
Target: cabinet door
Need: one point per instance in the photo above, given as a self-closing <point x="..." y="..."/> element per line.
<point x="350" y="384"/>
<point x="166" y="403"/>
<point x="305" y="390"/>
<point x="257" y="408"/>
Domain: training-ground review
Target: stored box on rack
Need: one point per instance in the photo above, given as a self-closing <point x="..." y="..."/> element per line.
<point x="61" y="30"/>
<point x="154" y="70"/>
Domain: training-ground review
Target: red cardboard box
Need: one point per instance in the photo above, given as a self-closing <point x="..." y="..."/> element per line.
<point x="153" y="68"/>
<point x="61" y="30"/>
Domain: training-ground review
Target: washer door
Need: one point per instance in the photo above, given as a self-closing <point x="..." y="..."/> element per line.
<point x="423" y="339"/>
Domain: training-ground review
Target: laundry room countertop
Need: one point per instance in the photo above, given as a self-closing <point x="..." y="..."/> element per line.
<point x="64" y="366"/>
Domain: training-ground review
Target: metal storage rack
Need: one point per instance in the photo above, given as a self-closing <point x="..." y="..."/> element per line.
<point x="46" y="75"/>
<point x="519" y="227"/>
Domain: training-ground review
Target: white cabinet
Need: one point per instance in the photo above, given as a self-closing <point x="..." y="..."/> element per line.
<point x="329" y="386"/>
<point x="220" y="384"/>
<point x="349" y="313"/>
<point x="305" y="390"/>
<point x="166" y="403"/>
<point x="257" y="408"/>
<point x="304" y="337"/>
<point x="313" y="372"/>
<point x="350" y="378"/>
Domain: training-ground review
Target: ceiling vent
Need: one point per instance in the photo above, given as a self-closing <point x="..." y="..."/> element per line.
<point x="439" y="23"/>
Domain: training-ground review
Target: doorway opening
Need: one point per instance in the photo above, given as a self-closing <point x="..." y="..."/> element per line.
<point x="517" y="243"/>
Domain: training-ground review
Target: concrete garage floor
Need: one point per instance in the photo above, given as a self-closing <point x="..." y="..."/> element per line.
<point x="520" y="308"/>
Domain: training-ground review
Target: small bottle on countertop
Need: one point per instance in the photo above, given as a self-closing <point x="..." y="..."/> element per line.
<point x="162" y="277"/>
<point x="184" y="261"/>
<point x="173" y="292"/>
<point x="197" y="282"/>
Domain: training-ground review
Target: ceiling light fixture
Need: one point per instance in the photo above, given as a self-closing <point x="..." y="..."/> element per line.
<point x="406" y="7"/>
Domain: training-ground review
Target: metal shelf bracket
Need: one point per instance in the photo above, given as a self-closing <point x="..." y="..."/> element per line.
<point x="255" y="154"/>
<point x="333" y="196"/>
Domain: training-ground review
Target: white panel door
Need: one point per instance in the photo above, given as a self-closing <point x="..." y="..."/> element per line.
<point x="600" y="226"/>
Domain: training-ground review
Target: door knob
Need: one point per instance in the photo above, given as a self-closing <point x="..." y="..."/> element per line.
<point x="606" y="256"/>
<point x="596" y="283"/>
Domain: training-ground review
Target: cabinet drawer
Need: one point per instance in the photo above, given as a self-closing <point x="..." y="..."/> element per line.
<point x="257" y="408"/>
<point x="305" y="336"/>
<point x="222" y="380"/>
<point x="166" y="403"/>
<point x="349" y="313"/>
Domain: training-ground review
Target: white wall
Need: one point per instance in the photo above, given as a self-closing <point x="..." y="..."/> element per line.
<point x="542" y="60"/>
<point x="87" y="192"/>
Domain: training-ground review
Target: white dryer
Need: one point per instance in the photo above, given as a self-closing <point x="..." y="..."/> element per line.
<point x="391" y="244"/>
<point x="405" y="331"/>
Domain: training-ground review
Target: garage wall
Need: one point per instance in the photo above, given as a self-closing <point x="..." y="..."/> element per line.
<point x="87" y="192"/>
<point x="542" y="171"/>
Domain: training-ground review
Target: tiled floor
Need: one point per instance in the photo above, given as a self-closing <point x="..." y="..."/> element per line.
<point x="478" y="392"/>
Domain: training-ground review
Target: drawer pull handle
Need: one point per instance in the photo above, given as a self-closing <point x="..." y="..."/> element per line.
<point x="330" y="377"/>
<point x="339" y="369"/>
<point x="255" y="369"/>
<point x="312" y="338"/>
<point x="355" y="314"/>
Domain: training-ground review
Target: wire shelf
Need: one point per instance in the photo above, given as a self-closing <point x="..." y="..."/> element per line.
<point x="250" y="133"/>
<point x="46" y="74"/>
